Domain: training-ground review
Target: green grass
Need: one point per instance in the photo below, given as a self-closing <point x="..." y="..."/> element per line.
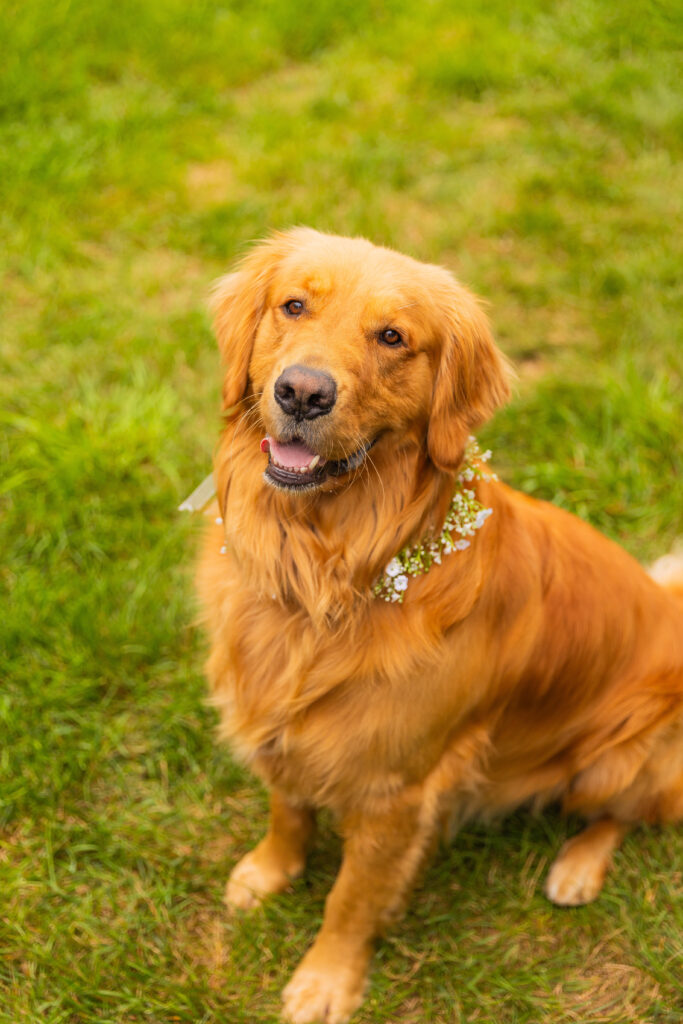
<point x="535" y="149"/>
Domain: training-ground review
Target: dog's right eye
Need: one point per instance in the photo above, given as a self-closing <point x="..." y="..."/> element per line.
<point x="390" y="337"/>
<point x="293" y="308"/>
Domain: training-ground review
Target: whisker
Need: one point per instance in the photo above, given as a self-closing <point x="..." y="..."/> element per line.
<point x="245" y="420"/>
<point x="371" y="464"/>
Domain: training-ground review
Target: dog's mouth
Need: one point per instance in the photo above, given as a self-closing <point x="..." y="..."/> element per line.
<point x="293" y="466"/>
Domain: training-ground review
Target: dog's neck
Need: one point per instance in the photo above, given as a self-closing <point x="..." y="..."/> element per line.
<point x="321" y="552"/>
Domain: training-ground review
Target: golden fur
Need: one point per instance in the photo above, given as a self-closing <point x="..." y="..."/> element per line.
<point x="540" y="663"/>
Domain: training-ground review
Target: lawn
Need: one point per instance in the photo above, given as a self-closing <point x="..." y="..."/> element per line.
<point x="535" y="149"/>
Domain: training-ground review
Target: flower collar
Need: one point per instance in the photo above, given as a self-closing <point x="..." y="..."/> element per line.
<point x="465" y="516"/>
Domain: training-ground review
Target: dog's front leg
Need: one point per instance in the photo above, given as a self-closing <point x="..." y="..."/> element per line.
<point x="277" y="859"/>
<point x="383" y="852"/>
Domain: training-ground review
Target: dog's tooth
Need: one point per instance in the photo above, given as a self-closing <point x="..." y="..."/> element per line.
<point x="301" y="470"/>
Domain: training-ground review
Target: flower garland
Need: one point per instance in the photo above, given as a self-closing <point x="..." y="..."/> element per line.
<point x="465" y="516"/>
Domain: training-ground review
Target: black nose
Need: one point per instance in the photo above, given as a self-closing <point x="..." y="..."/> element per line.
<point x="305" y="393"/>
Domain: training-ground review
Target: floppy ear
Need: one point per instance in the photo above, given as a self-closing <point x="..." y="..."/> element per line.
<point x="472" y="378"/>
<point x="237" y="302"/>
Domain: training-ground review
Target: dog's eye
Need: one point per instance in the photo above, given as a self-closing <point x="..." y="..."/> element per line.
<point x="390" y="337"/>
<point x="293" y="308"/>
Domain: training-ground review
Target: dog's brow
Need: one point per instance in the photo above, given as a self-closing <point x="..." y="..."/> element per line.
<point x="385" y="309"/>
<point x="314" y="282"/>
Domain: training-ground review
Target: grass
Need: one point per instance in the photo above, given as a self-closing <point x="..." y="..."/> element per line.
<point x="535" y="149"/>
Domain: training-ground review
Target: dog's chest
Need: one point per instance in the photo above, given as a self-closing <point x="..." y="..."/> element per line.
<point x="323" y="715"/>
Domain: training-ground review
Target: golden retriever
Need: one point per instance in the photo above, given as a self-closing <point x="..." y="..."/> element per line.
<point x="396" y="635"/>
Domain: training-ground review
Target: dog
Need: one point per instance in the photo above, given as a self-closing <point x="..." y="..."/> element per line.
<point x="395" y="634"/>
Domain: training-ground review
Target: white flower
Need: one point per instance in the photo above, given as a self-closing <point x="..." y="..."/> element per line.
<point x="401" y="583"/>
<point x="394" y="568"/>
<point x="460" y="545"/>
<point x="482" y="516"/>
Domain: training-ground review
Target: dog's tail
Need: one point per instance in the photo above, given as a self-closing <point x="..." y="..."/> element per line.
<point x="668" y="570"/>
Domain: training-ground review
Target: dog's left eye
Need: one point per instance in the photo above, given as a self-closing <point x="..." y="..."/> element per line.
<point x="390" y="337"/>
<point x="293" y="308"/>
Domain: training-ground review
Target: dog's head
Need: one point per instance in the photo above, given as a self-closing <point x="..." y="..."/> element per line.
<point x="340" y="344"/>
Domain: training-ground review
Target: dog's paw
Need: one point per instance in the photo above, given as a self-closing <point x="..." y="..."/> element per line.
<point x="575" y="877"/>
<point x="252" y="879"/>
<point x="322" y="995"/>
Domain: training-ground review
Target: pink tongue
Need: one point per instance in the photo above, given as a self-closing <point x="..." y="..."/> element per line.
<point x="293" y="455"/>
